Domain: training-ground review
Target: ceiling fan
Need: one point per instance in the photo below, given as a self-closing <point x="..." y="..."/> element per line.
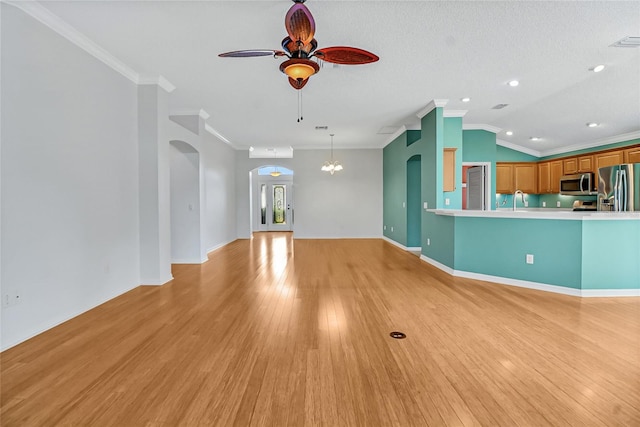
<point x="300" y="46"/>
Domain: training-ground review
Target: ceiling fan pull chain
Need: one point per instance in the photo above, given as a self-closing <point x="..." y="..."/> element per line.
<point x="300" y="106"/>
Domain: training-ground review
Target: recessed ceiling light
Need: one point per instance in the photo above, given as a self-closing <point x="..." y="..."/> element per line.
<point x="593" y="125"/>
<point x="597" y="68"/>
<point x="514" y="83"/>
<point x="535" y="138"/>
<point x="509" y="132"/>
<point x="465" y="99"/>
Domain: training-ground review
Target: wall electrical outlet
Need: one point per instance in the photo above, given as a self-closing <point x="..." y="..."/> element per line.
<point x="544" y="204"/>
<point x="11" y="298"/>
<point x="404" y="204"/>
<point x="447" y="202"/>
<point x="428" y="242"/>
<point x="526" y="203"/>
<point x="384" y="227"/>
<point x="529" y="259"/>
<point x="558" y="204"/>
<point x="392" y="229"/>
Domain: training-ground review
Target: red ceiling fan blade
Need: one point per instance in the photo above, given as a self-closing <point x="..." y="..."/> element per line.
<point x="300" y="24"/>
<point x="251" y="52"/>
<point x="346" y="55"/>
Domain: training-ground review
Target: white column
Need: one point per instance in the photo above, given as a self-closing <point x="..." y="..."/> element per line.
<point x="154" y="192"/>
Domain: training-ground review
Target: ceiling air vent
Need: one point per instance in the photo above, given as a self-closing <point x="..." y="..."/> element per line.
<point x="627" y="42"/>
<point x="499" y="106"/>
<point x="322" y="127"/>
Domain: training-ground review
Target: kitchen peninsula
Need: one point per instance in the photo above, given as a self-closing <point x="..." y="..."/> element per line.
<point x="575" y="253"/>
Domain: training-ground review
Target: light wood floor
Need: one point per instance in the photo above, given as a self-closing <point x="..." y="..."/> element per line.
<point x="278" y="332"/>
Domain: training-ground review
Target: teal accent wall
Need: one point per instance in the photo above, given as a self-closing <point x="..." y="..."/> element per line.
<point x="611" y="254"/>
<point x="441" y="234"/>
<point x="498" y="247"/>
<point x="565" y="201"/>
<point x="480" y="146"/>
<point x="414" y="194"/>
<point x="504" y="154"/>
<point x="453" y="139"/>
<point x="413" y="136"/>
<point x="394" y="189"/>
<point x="506" y="201"/>
<point x="431" y="161"/>
<point x="591" y="150"/>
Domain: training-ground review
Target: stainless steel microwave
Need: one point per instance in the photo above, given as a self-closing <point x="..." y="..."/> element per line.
<point x="576" y="185"/>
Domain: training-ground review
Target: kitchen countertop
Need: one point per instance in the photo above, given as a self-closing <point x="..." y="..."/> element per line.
<point x="540" y="213"/>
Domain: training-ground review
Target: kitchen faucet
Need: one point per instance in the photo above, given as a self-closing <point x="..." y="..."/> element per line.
<point x="515" y="196"/>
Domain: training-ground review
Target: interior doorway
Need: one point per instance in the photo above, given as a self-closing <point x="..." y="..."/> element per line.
<point x="272" y="207"/>
<point x="476" y="186"/>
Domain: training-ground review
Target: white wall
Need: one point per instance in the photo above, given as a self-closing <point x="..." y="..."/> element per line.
<point x="69" y="176"/>
<point x="185" y="203"/>
<point x="347" y="204"/>
<point x="218" y="160"/>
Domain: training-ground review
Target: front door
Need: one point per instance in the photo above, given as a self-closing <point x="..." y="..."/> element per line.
<point x="276" y="213"/>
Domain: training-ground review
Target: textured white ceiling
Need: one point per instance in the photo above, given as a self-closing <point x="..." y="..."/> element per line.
<point x="428" y="50"/>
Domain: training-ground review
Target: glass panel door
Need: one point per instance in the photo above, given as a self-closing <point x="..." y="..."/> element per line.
<point x="279" y="206"/>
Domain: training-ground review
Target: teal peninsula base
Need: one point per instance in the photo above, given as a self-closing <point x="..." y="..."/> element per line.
<point x="581" y="254"/>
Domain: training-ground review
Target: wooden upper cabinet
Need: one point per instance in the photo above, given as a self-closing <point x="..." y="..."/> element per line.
<point x="525" y="176"/>
<point x="544" y="177"/>
<point x="632" y="155"/>
<point x="549" y="174"/>
<point x="504" y="178"/>
<point x="585" y="164"/>
<point x="608" y="158"/>
<point x="580" y="164"/>
<point x="449" y="169"/>
<point x="570" y="166"/>
<point x="555" y="171"/>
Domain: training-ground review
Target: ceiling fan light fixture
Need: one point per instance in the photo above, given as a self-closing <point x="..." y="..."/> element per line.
<point x="299" y="69"/>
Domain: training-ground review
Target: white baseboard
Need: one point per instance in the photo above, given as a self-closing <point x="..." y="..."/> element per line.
<point x="221" y="245"/>
<point x="403" y="247"/>
<point x="534" y="285"/>
<point x="63" y="319"/>
<point x="188" y="261"/>
<point x="156" y="282"/>
<point x="591" y="293"/>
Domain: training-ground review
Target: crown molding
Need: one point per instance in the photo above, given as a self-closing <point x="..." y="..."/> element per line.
<point x="395" y="135"/>
<point x="599" y="143"/>
<point x="488" y="128"/>
<point x="435" y="103"/>
<point x="201" y="113"/>
<point x="218" y="135"/>
<point x="156" y="80"/>
<point x="46" y="17"/>
<point x="454" y="113"/>
<point x="515" y="147"/>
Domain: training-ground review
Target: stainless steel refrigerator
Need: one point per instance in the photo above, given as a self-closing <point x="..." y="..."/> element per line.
<point x="619" y="188"/>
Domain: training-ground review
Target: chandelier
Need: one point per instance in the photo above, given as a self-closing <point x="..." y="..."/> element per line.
<point x="333" y="165"/>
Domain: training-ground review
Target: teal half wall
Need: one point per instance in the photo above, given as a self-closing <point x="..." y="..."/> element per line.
<point x="579" y="254"/>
